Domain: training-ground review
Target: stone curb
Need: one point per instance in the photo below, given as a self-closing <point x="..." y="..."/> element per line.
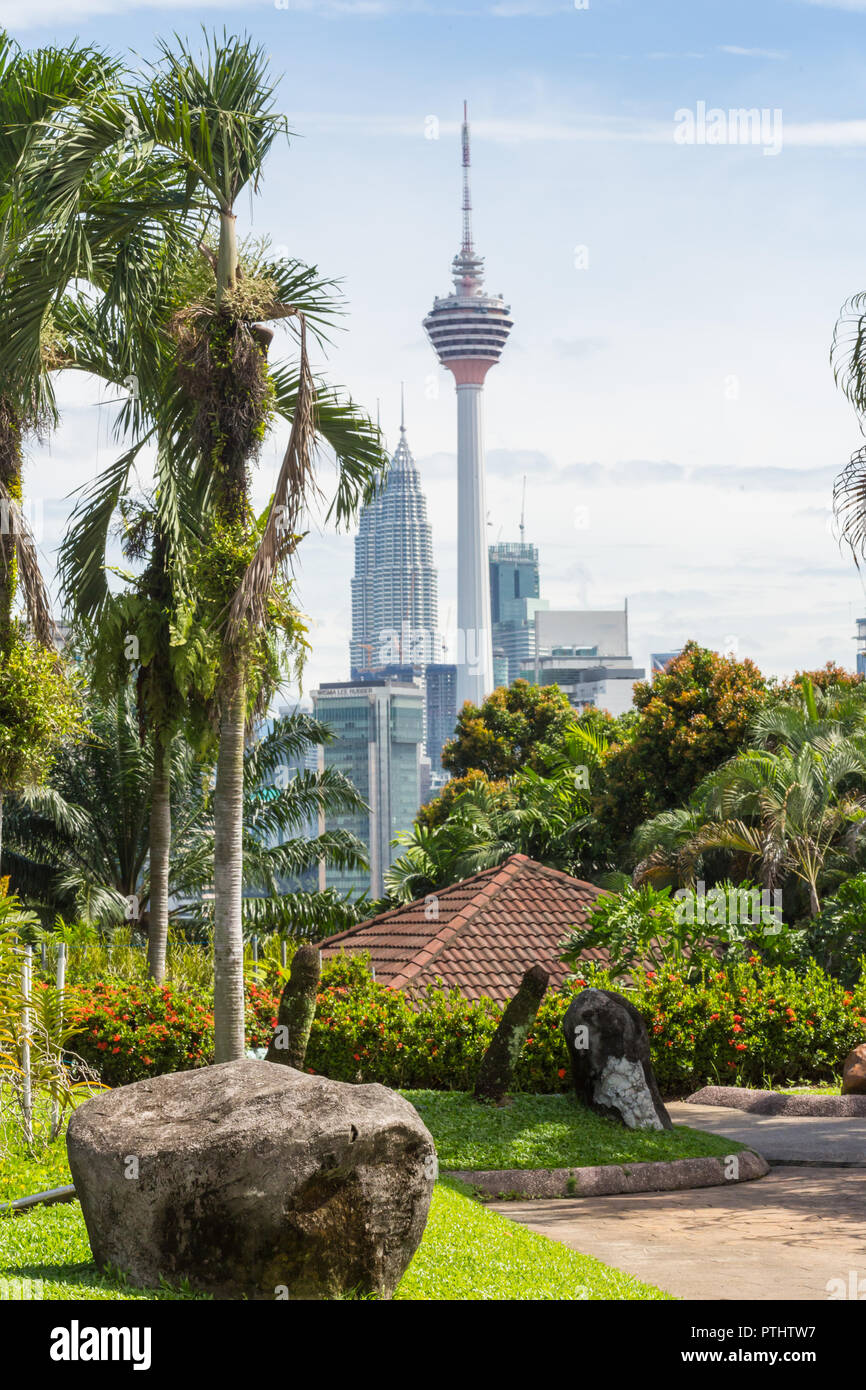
<point x="610" y="1179"/>
<point x="774" y="1103"/>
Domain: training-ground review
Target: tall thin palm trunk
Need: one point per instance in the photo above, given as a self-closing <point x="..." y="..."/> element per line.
<point x="228" y="867"/>
<point x="160" y="847"/>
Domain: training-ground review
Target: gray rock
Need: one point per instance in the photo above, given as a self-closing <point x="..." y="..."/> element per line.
<point x="608" y="1046"/>
<point x="253" y="1181"/>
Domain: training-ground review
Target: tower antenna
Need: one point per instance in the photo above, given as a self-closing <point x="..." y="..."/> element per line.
<point x="466" y="248"/>
<point x="402" y="410"/>
<point x="523" y="511"/>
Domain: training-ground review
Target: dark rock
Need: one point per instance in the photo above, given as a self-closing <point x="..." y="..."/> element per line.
<point x="854" y="1072"/>
<point x="497" y="1065"/>
<point x="253" y="1181"/>
<point x="608" y="1046"/>
<point x="297" y="1009"/>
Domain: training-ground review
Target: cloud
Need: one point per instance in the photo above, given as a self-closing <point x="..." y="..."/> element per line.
<point x="578" y="347"/>
<point x="738" y="52"/>
<point x="581" y="130"/>
<point x="655" y="472"/>
<point x="18" y="14"/>
<point x="510" y="463"/>
<point x="36" y="14"/>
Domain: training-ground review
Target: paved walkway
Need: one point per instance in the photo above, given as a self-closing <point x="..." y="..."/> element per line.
<point x="785" y="1236"/>
<point x="788" y="1139"/>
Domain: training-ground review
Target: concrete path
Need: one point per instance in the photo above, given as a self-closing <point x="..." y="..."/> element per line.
<point x="788" y="1139"/>
<point x="786" y="1236"/>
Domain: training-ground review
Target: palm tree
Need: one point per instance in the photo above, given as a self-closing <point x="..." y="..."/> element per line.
<point x="283" y="806"/>
<point x="81" y="845"/>
<point x="848" y="357"/>
<point x="36" y="706"/>
<point x="543" y="817"/>
<point x="204" y="132"/>
<point x="782" y="813"/>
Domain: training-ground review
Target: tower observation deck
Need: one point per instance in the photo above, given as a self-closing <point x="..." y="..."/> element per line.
<point x="468" y="330"/>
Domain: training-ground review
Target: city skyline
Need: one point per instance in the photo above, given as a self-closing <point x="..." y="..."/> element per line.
<point x="673" y="306"/>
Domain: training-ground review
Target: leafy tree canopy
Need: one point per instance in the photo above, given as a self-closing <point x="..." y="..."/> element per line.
<point x="692" y="717"/>
<point x="518" y="726"/>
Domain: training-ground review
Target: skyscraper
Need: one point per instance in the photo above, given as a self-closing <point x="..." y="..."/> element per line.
<point x="379" y="727"/>
<point x="468" y="330"/>
<point x="395" y="615"/>
<point x="514" y="602"/>
<point x="441" y="692"/>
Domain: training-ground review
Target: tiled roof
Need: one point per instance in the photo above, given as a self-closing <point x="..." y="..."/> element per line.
<point x="479" y="935"/>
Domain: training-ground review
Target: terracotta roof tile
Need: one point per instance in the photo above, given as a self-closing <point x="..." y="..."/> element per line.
<point x="488" y="930"/>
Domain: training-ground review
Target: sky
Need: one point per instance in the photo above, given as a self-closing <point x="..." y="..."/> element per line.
<point x="667" y="389"/>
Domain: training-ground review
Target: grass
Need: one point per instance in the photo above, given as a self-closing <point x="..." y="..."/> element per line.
<point x="819" y="1088"/>
<point x="550" y="1131"/>
<point x="470" y="1252"/>
<point x="49" y="1244"/>
<point x="467" y="1252"/>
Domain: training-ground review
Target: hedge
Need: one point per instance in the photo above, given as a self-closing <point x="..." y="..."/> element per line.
<point x="749" y="1024"/>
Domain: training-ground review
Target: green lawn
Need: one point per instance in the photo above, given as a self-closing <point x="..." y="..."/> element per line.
<point x="547" y="1132"/>
<point x="470" y="1252"/>
<point x="467" y="1252"/>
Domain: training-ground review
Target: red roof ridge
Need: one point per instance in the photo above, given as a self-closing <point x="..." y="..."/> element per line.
<point x="417" y="945"/>
<point x="489" y="883"/>
<point x="495" y="869"/>
<point x="499" y="877"/>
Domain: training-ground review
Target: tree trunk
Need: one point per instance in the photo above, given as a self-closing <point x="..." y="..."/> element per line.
<point x="297" y="1009"/>
<point x="498" y="1063"/>
<point x="160" y="849"/>
<point x="229" y="1043"/>
<point x="1" y="830"/>
<point x="227" y="258"/>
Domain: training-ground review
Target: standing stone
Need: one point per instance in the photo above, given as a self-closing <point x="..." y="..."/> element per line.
<point x="297" y="1009"/>
<point x="253" y="1181"/>
<point x="608" y="1046"/>
<point x="500" y="1059"/>
<point x="854" y="1072"/>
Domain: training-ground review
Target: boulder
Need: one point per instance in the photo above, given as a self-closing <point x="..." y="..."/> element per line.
<point x="854" y="1072"/>
<point x="608" y="1046"/>
<point x="253" y="1181"/>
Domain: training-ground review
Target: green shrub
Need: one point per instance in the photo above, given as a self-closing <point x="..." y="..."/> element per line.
<point x="131" y="1031"/>
<point x="837" y="936"/>
<point x="685" y="930"/>
<point x="745" y="1024"/>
